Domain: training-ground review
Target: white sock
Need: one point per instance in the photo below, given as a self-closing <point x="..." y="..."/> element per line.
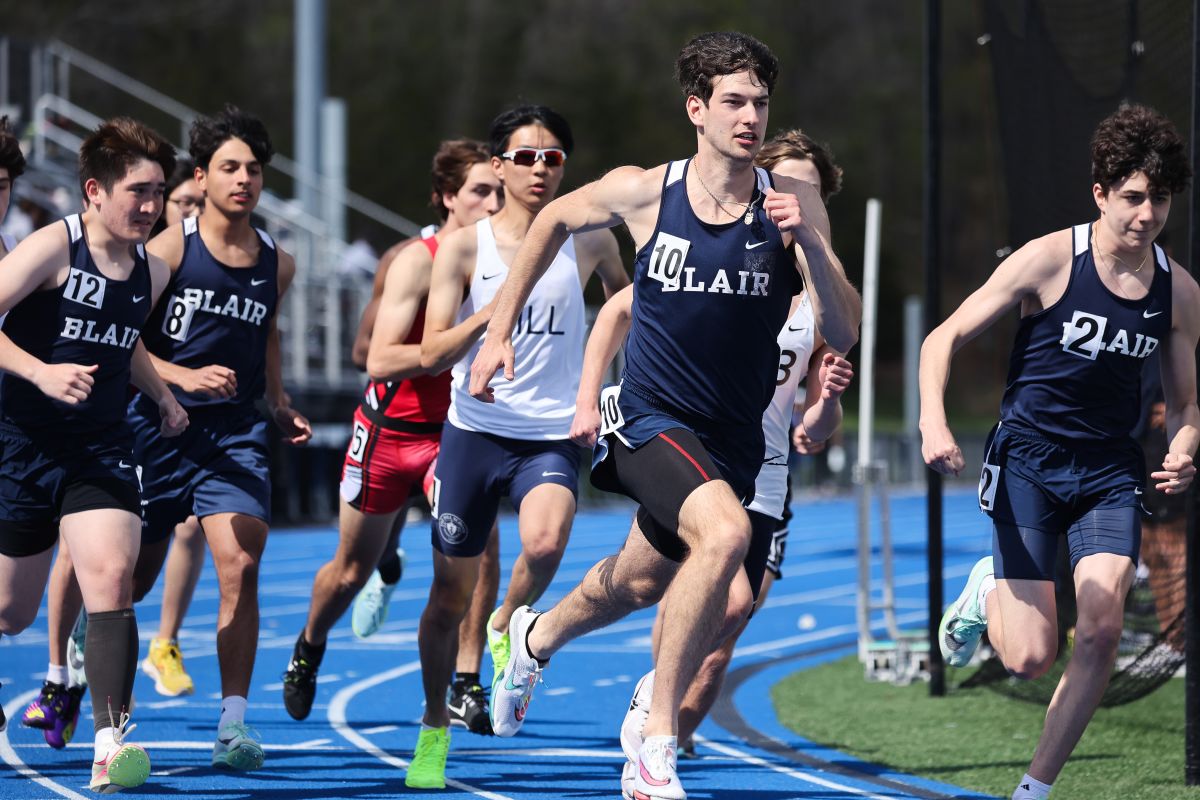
<point x="57" y="673"/>
<point x="1031" y="789"/>
<point x="425" y="727"/>
<point x="105" y="737"/>
<point x="986" y="586"/>
<point x="233" y="709"/>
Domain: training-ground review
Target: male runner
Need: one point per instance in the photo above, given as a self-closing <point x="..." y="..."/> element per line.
<point x="518" y="446"/>
<point x="12" y="164"/>
<point x="77" y="296"/>
<point x="802" y="353"/>
<point x="1095" y="300"/>
<point x="713" y="282"/>
<point x="396" y="430"/>
<point x="214" y="340"/>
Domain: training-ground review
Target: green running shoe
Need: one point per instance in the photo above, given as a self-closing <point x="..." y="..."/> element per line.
<point x="499" y="646"/>
<point x="235" y="748"/>
<point x="427" y="770"/>
<point x="965" y="619"/>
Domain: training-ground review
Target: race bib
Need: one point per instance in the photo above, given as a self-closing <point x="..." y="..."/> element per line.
<point x="666" y="260"/>
<point x="610" y="410"/>
<point x="989" y="478"/>
<point x="178" y="318"/>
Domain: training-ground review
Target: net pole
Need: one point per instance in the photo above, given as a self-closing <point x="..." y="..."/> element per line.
<point x="1192" y="619"/>
<point x="932" y="207"/>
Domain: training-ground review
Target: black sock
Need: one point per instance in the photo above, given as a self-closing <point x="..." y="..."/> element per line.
<point x="541" y="663"/>
<point x="467" y="678"/>
<point x="389" y="568"/>
<point x="312" y="653"/>
<point x="110" y="663"/>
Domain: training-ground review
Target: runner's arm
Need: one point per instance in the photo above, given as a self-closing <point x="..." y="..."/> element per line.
<point x="608" y="331"/>
<point x="1179" y="385"/>
<point x="404" y="289"/>
<point x="295" y="426"/>
<point x="366" y="324"/>
<point x="443" y="342"/>
<point x="829" y="374"/>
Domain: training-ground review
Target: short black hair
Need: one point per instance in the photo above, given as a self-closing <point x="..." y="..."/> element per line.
<point x="209" y="133"/>
<point x="11" y="157"/>
<point x="1137" y="138"/>
<point x="507" y="122"/>
<point x="711" y="55"/>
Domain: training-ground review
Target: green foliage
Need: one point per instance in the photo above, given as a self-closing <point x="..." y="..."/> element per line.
<point x="983" y="740"/>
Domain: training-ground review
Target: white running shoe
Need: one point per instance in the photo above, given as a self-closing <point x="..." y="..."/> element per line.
<point x="513" y="689"/>
<point x="123" y="766"/>
<point x="371" y="604"/>
<point x="965" y="620"/>
<point x="656" y="778"/>
<point x="628" y="776"/>
<point x="636" y="716"/>
<point x="76" y="675"/>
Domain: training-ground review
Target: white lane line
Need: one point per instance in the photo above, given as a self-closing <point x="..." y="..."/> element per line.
<point x="337" y="720"/>
<point x="322" y="745"/>
<point x="379" y="729"/>
<point x="12" y="710"/>
<point x="827" y="633"/>
<point x="760" y="762"/>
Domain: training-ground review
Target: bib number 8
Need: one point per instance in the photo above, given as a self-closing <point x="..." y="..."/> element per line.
<point x="178" y="318"/>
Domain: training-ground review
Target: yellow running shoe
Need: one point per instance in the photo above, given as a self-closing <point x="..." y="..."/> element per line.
<point x="427" y="770"/>
<point x="165" y="665"/>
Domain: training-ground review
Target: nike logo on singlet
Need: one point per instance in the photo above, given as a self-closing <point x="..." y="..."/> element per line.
<point x="139" y="298"/>
<point x="488" y="277"/>
<point x="797" y="330"/>
<point x="257" y="281"/>
<point x="750" y="246"/>
<point x="1148" y="315"/>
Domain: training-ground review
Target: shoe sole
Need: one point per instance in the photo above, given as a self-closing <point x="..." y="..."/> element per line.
<point x="954" y="658"/>
<point x="152" y="671"/>
<point x="241" y="759"/>
<point x="129" y="768"/>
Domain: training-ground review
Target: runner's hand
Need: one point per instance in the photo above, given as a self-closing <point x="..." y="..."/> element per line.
<point x="941" y="452"/>
<point x="836" y="374"/>
<point x="213" y="381"/>
<point x="804" y="444"/>
<point x="1176" y="474"/>
<point x="784" y="210"/>
<point x="295" y="426"/>
<point x="174" y="418"/>
<point x="67" y="383"/>
<point x="493" y="354"/>
<point x="586" y="425"/>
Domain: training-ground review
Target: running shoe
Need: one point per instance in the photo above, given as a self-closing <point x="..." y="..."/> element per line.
<point x="656" y="778"/>
<point x="371" y="605"/>
<point x="123" y="766"/>
<point x="687" y="750"/>
<point x="427" y="770"/>
<point x="76" y="674"/>
<point x="628" y="777"/>
<point x="3" y="716"/>
<point x="47" y="707"/>
<point x="499" y="645"/>
<point x="468" y="706"/>
<point x="965" y="619"/>
<point x="164" y="664"/>
<point x="299" y="686"/>
<point x="63" y="731"/>
<point x="636" y="716"/>
<point x="512" y="690"/>
<point x="235" y="748"/>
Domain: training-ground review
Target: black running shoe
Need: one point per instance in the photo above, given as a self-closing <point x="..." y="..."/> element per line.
<point x="299" y="686"/>
<point x="468" y="706"/>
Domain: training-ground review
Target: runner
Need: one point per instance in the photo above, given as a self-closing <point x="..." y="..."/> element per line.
<point x="517" y="446"/>
<point x="715" y="238"/>
<point x="1096" y="300"/>
<point x="77" y="296"/>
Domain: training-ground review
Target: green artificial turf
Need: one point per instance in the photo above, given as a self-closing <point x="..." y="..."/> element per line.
<point x="982" y="740"/>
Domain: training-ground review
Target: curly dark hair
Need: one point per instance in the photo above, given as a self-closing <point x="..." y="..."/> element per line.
<point x="798" y="144"/>
<point x="507" y="122"/>
<point x="1139" y="139"/>
<point x="209" y="133"/>
<point x="451" y="163"/>
<point x="11" y="157"/>
<point x="711" y="55"/>
<point x="109" y="151"/>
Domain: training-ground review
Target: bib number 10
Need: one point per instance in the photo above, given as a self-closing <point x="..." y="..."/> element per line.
<point x="667" y="258"/>
<point x="610" y="410"/>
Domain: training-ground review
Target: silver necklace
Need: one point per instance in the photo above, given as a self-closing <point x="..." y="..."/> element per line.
<point x="747" y="219"/>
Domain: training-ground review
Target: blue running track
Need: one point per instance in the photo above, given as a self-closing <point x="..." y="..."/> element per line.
<point x="362" y="729"/>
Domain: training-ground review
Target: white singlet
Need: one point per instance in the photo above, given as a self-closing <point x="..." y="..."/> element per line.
<point x="795" y="350"/>
<point x="539" y="404"/>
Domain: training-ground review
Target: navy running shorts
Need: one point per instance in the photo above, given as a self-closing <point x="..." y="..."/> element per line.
<point x="1037" y="490"/>
<point x="474" y="470"/>
<point x="219" y="465"/>
<point x="47" y="475"/>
